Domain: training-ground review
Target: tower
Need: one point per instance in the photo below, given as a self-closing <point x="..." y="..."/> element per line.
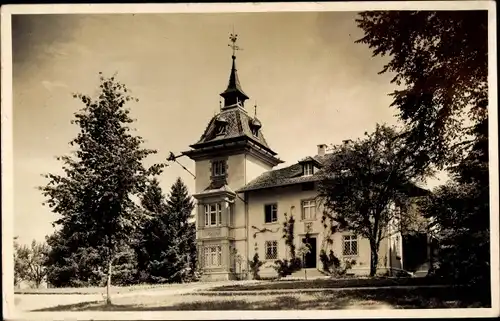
<point x="231" y="152"/>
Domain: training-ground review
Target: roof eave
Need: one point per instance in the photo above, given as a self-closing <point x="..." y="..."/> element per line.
<point x="243" y="190"/>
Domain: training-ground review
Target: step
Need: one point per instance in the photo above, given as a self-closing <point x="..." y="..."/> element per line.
<point x="312" y="273"/>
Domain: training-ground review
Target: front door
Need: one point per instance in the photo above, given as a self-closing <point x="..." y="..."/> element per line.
<point x="310" y="258"/>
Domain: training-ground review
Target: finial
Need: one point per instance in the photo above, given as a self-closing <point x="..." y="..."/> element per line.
<point x="220" y="104"/>
<point x="233" y="38"/>
<point x="255" y="109"/>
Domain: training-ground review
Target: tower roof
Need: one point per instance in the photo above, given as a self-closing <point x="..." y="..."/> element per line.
<point x="233" y="130"/>
<point x="234" y="86"/>
<point x="234" y="94"/>
<point x="238" y="126"/>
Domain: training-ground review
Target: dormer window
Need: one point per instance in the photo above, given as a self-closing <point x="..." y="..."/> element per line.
<point x="255" y="125"/>
<point x="221" y="129"/>
<point x="308" y="169"/>
<point x="220" y="125"/>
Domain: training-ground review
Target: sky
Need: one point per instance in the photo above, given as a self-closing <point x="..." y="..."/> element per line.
<point x="312" y="85"/>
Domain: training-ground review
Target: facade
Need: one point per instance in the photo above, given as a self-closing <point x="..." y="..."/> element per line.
<point x="242" y="201"/>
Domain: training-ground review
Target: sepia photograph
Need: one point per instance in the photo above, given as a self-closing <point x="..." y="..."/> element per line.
<point x="307" y="160"/>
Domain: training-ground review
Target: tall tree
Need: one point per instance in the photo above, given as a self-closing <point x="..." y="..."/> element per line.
<point x="94" y="196"/>
<point x="363" y="180"/>
<point x="180" y="210"/>
<point x="460" y="218"/>
<point x="167" y="245"/>
<point x="440" y="59"/>
<point x="29" y="262"/>
<point x="155" y="236"/>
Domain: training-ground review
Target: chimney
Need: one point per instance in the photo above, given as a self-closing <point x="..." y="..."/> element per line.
<point x="321" y="149"/>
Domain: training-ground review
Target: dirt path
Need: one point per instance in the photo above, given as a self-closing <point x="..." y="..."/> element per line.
<point x="30" y="302"/>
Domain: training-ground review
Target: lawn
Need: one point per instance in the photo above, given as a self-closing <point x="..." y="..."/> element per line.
<point x="382" y="298"/>
<point x="331" y="283"/>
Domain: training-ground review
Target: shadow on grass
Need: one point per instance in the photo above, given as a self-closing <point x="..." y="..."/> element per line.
<point x="283" y="302"/>
<point x="423" y="298"/>
<point x="332" y="283"/>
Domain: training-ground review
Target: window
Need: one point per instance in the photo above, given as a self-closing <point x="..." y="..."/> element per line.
<point x="308" y="169"/>
<point x="218" y="168"/>
<point x="271" y="213"/>
<point x="255" y="132"/>
<point x="309" y="210"/>
<point x="213" y="214"/>
<point x="271" y="250"/>
<point x="213" y="255"/>
<point x="350" y="245"/>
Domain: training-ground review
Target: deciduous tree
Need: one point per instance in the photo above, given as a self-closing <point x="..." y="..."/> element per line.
<point x="29" y="262"/>
<point x="440" y="63"/>
<point x="361" y="182"/>
<point x="439" y="60"/>
<point x="95" y="195"/>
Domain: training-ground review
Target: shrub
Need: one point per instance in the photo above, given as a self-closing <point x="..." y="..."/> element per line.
<point x="255" y="265"/>
<point x="286" y="267"/>
<point x="333" y="266"/>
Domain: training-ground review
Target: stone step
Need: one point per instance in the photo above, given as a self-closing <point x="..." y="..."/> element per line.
<point x="311" y="274"/>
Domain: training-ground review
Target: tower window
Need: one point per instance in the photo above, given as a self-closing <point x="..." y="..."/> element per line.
<point x="213" y="214"/>
<point x="255" y="132"/>
<point x="213" y="256"/>
<point x="218" y="168"/>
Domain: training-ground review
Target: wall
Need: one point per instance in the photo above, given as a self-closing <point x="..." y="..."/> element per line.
<point x="241" y="169"/>
<point x="286" y="198"/>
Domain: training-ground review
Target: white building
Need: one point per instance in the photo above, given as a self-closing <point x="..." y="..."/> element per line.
<point x="242" y="201"/>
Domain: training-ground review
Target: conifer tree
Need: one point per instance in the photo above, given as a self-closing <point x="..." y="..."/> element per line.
<point x="180" y="209"/>
<point x="168" y="238"/>
<point x="155" y="236"/>
<point x="94" y="196"/>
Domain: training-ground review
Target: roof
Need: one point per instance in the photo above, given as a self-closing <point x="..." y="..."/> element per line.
<point x="234" y="86"/>
<point x="292" y="175"/>
<point x="238" y="125"/>
<point x="212" y="189"/>
<point x="286" y="176"/>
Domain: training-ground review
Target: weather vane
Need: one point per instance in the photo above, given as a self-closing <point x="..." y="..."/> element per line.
<point x="233" y="38"/>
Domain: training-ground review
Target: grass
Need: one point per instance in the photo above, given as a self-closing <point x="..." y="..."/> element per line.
<point x="331" y="283"/>
<point x="382" y="298"/>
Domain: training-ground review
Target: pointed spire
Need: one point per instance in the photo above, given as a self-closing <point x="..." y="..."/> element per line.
<point x="234" y="93"/>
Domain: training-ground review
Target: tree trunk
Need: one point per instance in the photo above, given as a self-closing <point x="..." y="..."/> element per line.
<point x="373" y="259"/>
<point x="108" y="283"/>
